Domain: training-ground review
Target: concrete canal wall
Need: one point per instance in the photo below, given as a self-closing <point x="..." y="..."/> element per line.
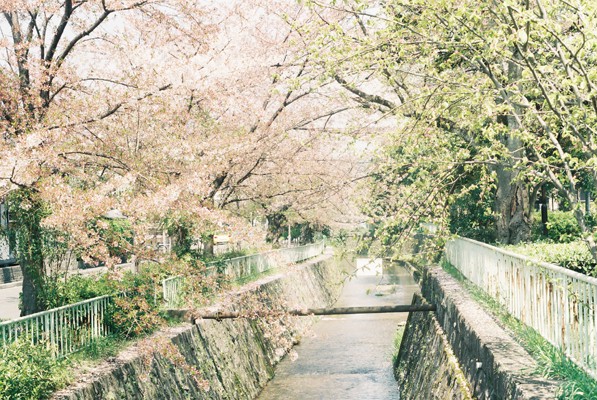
<point x="229" y="359"/>
<point x="460" y="352"/>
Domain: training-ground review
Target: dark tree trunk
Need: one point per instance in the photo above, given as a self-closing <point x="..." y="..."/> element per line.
<point x="544" y="217"/>
<point x="512" y="205"/>
<point x="32" y="282"/>
<point x="208" y="245"/>
<point x="513" y="222"/>
<point x="29" y="212"/>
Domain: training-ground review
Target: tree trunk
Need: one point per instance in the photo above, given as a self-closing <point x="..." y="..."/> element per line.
<point x="208" y="246"/>
<point x="32" y="282"/>
<point x="512" y="203"/>
<point x="544" y="216"/>
<point x="513" y="222"/>
<point x="28" y="213"/>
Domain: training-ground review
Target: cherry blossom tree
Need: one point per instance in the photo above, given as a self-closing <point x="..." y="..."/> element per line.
<point x="160" y="108"/>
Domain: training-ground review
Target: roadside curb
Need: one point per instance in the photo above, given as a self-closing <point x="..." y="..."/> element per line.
<point x="10" y="284"/>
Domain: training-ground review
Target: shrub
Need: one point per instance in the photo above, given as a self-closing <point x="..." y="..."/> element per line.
<point x="30" y="371"/>
<point x="575" y="255"/>
<point x="75" y="288"/>
<point x="562" y="227"/>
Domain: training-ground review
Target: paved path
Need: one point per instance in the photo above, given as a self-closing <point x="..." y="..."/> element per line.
<point x="9" y="293"/>
<point x="348" y="357"/>
<point x="9" y="302"/>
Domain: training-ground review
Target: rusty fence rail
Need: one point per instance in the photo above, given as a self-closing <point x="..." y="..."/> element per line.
<point x="241" y="267"/>
<point x="558" y="303"/>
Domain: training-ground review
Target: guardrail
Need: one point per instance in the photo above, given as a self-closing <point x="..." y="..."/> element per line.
<point x="70" y="328"/>
<point x="172" y="289"/>
<point x="240" y="267"/>
<point x="65" y="329"/>
<point x="558" y="303"/>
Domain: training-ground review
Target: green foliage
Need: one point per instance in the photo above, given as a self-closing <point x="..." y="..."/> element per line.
<point x="220" y="258"/>
<point x="133" y="315"/>
<point x="30" y="371"/>
<point x="74" y="288"/>
<point x="575" y="255"/>
<point x="181" y="228"/>
<point x="136" y="310"/>
<point x="39" y="249"/>
<point x="118" y="236"/>
<point x="562" y="227"/>
<point x="471" y="214"/>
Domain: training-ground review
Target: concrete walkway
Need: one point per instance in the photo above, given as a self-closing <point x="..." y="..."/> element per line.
<point x="348" y="357"/>
<point x="9" y="301"/>
<point x="9" y="293"/>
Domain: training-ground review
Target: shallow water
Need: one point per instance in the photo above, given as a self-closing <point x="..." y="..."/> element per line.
<point x="348" y="356"/>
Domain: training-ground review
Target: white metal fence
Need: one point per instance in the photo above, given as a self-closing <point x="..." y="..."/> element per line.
<point x="64" y="329"/>
<point x="245" y="266"/>
<point x="559" y="303"/>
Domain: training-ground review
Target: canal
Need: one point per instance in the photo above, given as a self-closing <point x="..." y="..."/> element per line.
<point x="349" y="356"/>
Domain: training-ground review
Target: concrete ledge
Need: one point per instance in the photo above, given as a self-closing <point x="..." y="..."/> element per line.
<point x="493" y="363"/>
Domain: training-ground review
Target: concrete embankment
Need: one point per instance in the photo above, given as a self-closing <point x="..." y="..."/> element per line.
<point x="229" y="359"/>
<point x="460" y="352"/>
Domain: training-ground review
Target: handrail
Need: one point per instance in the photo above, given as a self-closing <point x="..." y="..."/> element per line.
<point x="546" y="265"/>
<point x="63" y="329"/>
<point x="69" y="328"/>
<point x="239" y="267"/>
<point x="558" y="303"/>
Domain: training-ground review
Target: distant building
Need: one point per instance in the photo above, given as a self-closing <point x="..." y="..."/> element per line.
<point x="7" y="256"/>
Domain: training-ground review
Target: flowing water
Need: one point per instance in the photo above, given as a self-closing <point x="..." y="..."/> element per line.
<point x="348" y="356"/>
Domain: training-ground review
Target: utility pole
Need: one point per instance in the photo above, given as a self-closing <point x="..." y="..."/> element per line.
<point x="289" y="236"/>
<point x="544" y="211"/>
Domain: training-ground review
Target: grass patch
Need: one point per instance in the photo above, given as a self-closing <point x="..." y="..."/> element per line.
<point x="397" y="342"/>
<point x="101" y="349"/>
<point x="253" y="277"/>
<point x="574" y="382"/>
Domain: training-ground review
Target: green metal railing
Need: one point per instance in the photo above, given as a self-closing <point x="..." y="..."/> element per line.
<point x="241" y="267"/>
<point x="64" y="329"/>
<point x="70" y="328"/>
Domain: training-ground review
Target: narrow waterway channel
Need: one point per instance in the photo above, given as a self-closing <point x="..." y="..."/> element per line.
<point x="348" y="356"/>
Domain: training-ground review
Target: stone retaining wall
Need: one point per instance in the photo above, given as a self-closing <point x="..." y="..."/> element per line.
<point x="426" y="367"/>
<point x="229" y="359"/>
<point x="10" y="274"/>
<point x="494" y="365"/>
